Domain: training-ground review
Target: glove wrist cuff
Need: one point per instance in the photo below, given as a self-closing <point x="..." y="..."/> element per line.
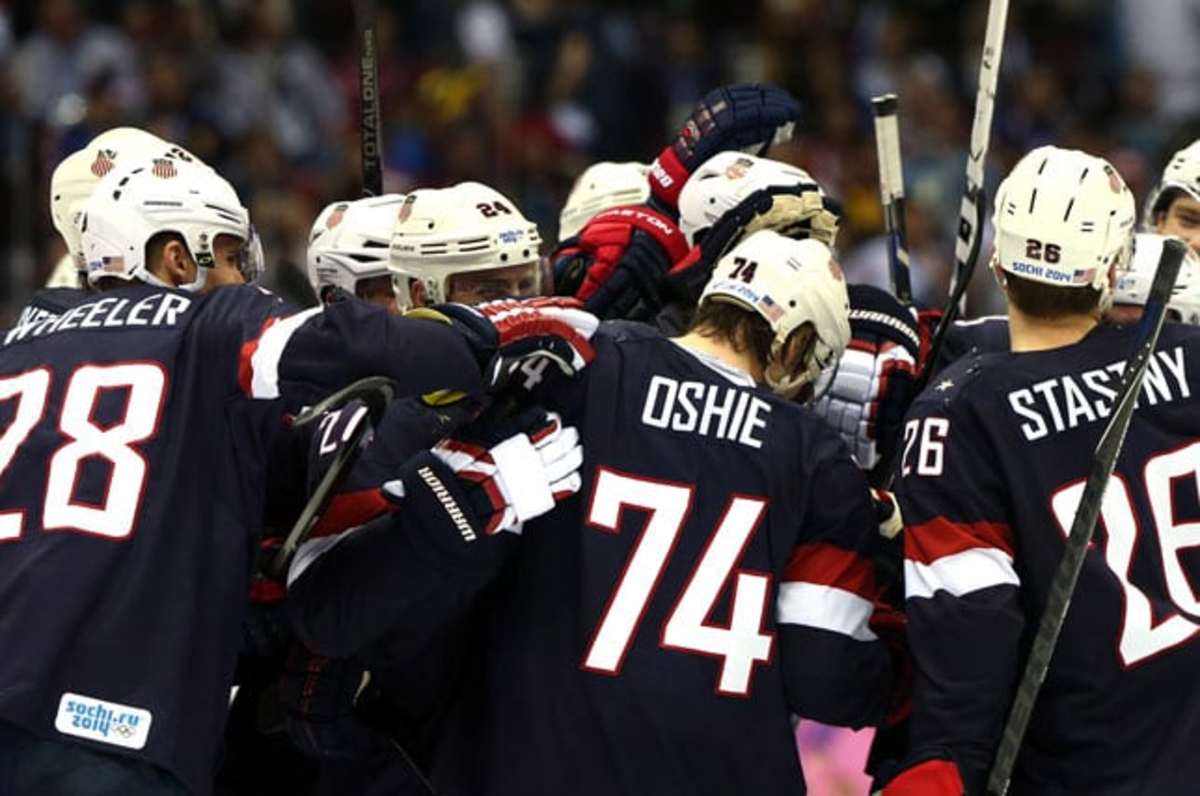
<point x="667" y="176"/>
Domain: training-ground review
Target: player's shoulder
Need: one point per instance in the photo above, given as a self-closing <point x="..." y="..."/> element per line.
<point x="970" y="383"/>
<point x="238" y="305"/>
<point x="619" y="333"/>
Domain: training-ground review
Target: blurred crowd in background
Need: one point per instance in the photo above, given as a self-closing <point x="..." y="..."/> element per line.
<point x="523" y="94"/>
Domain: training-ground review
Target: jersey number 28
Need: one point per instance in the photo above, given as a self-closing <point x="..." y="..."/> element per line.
<point x="84" y="439"/>
<point x="740" y="645"/>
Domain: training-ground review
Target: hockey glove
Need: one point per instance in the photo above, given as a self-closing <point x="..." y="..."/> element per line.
<point x="745" y="116"/>
<point x="874" y="382"/>
<point x="507" y="334"/>
<point x="930" y="777"/>
<point x="510" y="470"/>
<point x="616" y="264"/>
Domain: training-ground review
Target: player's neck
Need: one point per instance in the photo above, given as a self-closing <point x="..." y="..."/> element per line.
<point x="719" y="349"/>
<point x="1028" y="333"/>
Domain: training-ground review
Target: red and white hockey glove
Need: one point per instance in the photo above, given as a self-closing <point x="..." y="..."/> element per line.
<point x="514" y="469"/>
<point x="509" y="333"/>
<point x="616" y="264"/>
<point x="745" y="116"/>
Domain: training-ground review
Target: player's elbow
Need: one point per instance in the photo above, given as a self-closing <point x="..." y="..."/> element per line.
<point x="836" y="680"/>
<point x="317" y="621"/>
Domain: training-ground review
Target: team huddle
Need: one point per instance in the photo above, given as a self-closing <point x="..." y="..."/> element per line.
<point x="624" y="511"/>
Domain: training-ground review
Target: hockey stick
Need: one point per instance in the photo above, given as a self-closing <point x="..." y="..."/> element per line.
<point x="891" y="193"/>
<point x="1103" y="462"/>
<point x="376" y="392"/>
<point x="972" y="212"/>
<point x="970" y="229"/>
<point x="370" y="127"/>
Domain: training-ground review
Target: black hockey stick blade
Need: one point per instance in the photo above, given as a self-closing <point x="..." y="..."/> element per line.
<point x="891" y="192"/>
<point x="370" y="124"/>
<point x="375" y="392"/>
<point x="1104" y="461"/>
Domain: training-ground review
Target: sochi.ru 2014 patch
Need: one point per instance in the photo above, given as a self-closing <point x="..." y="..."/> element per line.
<point x="106" y="722"/>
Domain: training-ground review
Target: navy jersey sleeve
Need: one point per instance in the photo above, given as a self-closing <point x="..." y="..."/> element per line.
<point x="964" y="618"/>
<point x="836" y="669"/>
<point x="408" y="571"/>
<point x="301" y="356"/>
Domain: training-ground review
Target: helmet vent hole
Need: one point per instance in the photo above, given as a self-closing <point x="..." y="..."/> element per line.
<point x="504" y="258"/>
<point x="792" y="303"/>
<point x="430" y="225"/>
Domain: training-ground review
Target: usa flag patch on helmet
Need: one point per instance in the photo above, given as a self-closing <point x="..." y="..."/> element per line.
<point x="103" y="163"/>
<point x="163" y="168"/>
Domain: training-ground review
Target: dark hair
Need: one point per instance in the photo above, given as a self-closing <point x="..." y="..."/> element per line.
<point x="1047" y="302"/>
<point x="158" y="241"/>
<point x="746" y="331"/>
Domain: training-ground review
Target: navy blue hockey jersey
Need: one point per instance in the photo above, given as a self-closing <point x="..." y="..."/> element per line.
<point x="997" y="451"/>
<point x="133" y="431"/>
<point x="655" y="633"/>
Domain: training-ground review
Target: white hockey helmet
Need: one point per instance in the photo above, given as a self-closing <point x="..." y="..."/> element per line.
<point x="789" y="283"/>
<point x="1133" y="283"/>
<point x="599" y="187"/>
<point x="140" y="200"/>
<point x="1064" y="217"/>
<point x="1181" y="174"/>
<point x="75" y="177"/>
<point x="351" y="241"/>
<point x="469" y="227"/>
<point x="727" y="179"/>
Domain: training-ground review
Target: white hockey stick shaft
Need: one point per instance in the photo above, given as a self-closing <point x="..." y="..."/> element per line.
<point x="969" y="222"/>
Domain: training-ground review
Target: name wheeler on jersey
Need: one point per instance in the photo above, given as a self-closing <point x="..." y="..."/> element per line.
<point x="136" y="424"/>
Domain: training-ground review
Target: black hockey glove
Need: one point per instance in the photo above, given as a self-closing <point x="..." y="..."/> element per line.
<point x="616" y="264"/>
<point x="745" y="116"/>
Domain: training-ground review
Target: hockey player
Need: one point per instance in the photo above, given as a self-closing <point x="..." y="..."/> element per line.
<point x="1173" y="207"/>
<point x="599" y="187"/>
<point x="468" y="244"/>
<point x="655" y="634"/>
<point x="70" y="186"/>
<point x="348" y="249"/>
<point x="996" y="454"/>
<point x="132" y="476"/>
